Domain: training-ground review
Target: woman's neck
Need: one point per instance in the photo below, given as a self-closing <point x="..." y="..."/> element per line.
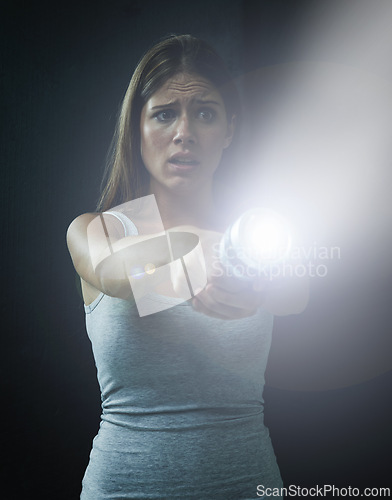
<point x="195" y="208"/>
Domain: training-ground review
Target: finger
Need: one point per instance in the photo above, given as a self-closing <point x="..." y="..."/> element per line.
<point x="223" y="309"/>
<point x="246" y="299"/>
<point x="229" y="283"/>
<point x="201" y="308"/>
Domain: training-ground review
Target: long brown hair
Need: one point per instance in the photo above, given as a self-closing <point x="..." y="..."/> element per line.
<point x="126" y="178"/>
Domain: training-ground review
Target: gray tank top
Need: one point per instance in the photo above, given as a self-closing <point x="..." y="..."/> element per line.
<point x="182" y="404"/>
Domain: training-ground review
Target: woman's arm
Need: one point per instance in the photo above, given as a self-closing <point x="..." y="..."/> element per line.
<point x="103" y="256"/>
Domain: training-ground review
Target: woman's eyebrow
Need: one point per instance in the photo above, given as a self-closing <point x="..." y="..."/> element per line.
<point x="168" y="105"/>
<point x="175" y="103"/>
<point x="201" y="101"/>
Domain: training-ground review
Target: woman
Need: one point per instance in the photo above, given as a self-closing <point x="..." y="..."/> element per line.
<point x="182" y="388"/>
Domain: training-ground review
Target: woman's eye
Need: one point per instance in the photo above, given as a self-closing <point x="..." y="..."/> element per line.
<point x="165" y="116"/>
<point x="207" y="115"/>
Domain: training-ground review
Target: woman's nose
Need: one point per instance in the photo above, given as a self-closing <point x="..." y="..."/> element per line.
<point x="184" y="132"/>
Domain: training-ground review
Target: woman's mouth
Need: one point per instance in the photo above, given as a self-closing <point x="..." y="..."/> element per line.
<point x="185" y="162"/>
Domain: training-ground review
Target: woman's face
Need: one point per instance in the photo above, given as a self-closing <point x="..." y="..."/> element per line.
<point x="184" y="130"/>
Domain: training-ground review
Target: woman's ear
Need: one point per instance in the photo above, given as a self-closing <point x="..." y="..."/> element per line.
<point x="230" y="131"/>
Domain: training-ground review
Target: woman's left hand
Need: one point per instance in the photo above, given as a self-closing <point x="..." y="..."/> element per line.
<point x="228" y="298"/>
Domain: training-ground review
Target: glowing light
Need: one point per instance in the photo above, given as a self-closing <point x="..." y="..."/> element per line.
<point x="258" y="239"/>
<point x="265" y="237"/>
<point x="149" y="268"/>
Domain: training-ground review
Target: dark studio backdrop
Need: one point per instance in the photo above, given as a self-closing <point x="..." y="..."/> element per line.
<point x="65" y="68"/>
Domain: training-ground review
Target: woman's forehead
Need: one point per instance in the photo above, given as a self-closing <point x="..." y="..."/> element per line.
<point x="188" y="87"/>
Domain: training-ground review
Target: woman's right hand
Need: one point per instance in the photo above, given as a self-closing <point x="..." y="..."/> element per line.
<point x="228" y="297"/>
<point x="223" y="296"/>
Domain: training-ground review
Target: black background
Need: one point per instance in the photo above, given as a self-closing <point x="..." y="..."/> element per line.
<point x="65" y="68"/>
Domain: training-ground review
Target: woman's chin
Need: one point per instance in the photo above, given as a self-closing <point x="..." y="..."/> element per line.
<point x="186" y="185"/>
<point x="184" y="189"/>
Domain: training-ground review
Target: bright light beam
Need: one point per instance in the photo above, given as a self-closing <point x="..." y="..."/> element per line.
<point x="258" y="239"/>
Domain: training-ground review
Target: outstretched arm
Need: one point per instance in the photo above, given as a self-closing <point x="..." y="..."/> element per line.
<point x="103" y="256"/>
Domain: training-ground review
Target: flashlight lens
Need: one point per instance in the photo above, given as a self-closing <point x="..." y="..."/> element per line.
<point x="260" y="238"/>
<point x="265" y="237"/>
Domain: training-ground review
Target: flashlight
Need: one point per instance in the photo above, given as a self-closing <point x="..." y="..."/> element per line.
<point x="259" y="239"/>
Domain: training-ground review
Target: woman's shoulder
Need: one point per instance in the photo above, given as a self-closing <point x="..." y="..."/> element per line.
<point x="88" y="234"/>
<point x="78" y="227"/>
<point x="94" y="224"/>
<point x="82" y="220"/>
